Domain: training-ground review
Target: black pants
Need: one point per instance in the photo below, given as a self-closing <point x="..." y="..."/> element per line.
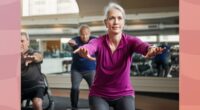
<point x="76" y="78"/>
<point x="124" y="103"/>
<point x="33" y="93"/>
<point x="162" y="67"/>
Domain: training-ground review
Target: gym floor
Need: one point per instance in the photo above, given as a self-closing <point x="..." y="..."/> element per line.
<point x="144" y="101"/>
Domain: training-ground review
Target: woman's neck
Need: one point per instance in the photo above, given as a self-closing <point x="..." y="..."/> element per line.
<point x="114" y="41"/>
<point x="115" y="38"/>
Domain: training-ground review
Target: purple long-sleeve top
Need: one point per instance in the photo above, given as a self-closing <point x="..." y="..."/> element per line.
<point x="112" y="79"/>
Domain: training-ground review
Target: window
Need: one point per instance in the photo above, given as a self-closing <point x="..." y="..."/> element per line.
<point x="47" y="7"/>
<point x="148" y="38"/>
<point x="169" y="38"/>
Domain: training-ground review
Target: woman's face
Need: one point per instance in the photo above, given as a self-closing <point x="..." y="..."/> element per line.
<point x="114" y="22"/>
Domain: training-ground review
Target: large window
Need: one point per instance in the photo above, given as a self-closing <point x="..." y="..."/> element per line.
<point x="169" y="38"/>
<point x="148" y="38"/>
<point x="48" y="7"/>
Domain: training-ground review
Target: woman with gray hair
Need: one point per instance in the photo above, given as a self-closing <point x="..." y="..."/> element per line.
<point x="112" y="84"/>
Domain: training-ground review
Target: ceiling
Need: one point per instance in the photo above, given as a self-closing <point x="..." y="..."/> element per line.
<point x="95" y="7"/>
<point x="151" y="15"/>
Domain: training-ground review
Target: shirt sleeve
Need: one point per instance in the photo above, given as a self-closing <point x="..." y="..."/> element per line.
<point x="92" y="46"/>
<point x="138" y="45"/>
<point x="76" y="40"/>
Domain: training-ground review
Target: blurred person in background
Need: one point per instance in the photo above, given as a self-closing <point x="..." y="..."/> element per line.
<point x="162" y="60"/>
<point x="32" y="82"/>
<point x="82" y="68"/>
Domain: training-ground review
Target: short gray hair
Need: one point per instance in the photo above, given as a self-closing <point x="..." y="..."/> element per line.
<point x="83" y="26"/>
<point x="113" y="6"/>
<point x="26" y="35"/>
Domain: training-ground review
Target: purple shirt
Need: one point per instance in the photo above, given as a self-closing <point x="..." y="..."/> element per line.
<point x="112" y="79"/>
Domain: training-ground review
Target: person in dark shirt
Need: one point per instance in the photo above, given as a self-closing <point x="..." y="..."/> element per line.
<point x="32" y="82"/>
<point x="82" y="68"/>
<point x="162" y="60"/>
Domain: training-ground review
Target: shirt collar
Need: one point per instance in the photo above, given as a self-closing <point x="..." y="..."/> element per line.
<point x="122" y="42"/>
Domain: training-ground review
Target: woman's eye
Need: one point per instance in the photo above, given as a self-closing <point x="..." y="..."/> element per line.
<point x="111" y="18"/>
<point x="119" y="18"/>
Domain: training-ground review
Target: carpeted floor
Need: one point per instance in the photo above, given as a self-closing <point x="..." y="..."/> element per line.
<point x="63" y="103"/>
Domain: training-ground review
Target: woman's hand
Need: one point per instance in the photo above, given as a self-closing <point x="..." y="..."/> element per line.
<point x="84" y="53"/>
<point x="153" y="51"/>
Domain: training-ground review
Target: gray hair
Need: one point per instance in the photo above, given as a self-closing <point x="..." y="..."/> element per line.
<point x="26" y="35"/>
<point x="113" y="6"/>
<point x="83" y="26"/>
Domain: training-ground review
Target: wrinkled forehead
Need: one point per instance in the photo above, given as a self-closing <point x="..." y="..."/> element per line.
<point x="24" y="34"/>
<point x="24" y="38"/>
<point x="85" y="31"/>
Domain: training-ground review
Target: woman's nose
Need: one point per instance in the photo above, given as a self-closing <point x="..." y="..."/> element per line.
<point x="116" y="21"/>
